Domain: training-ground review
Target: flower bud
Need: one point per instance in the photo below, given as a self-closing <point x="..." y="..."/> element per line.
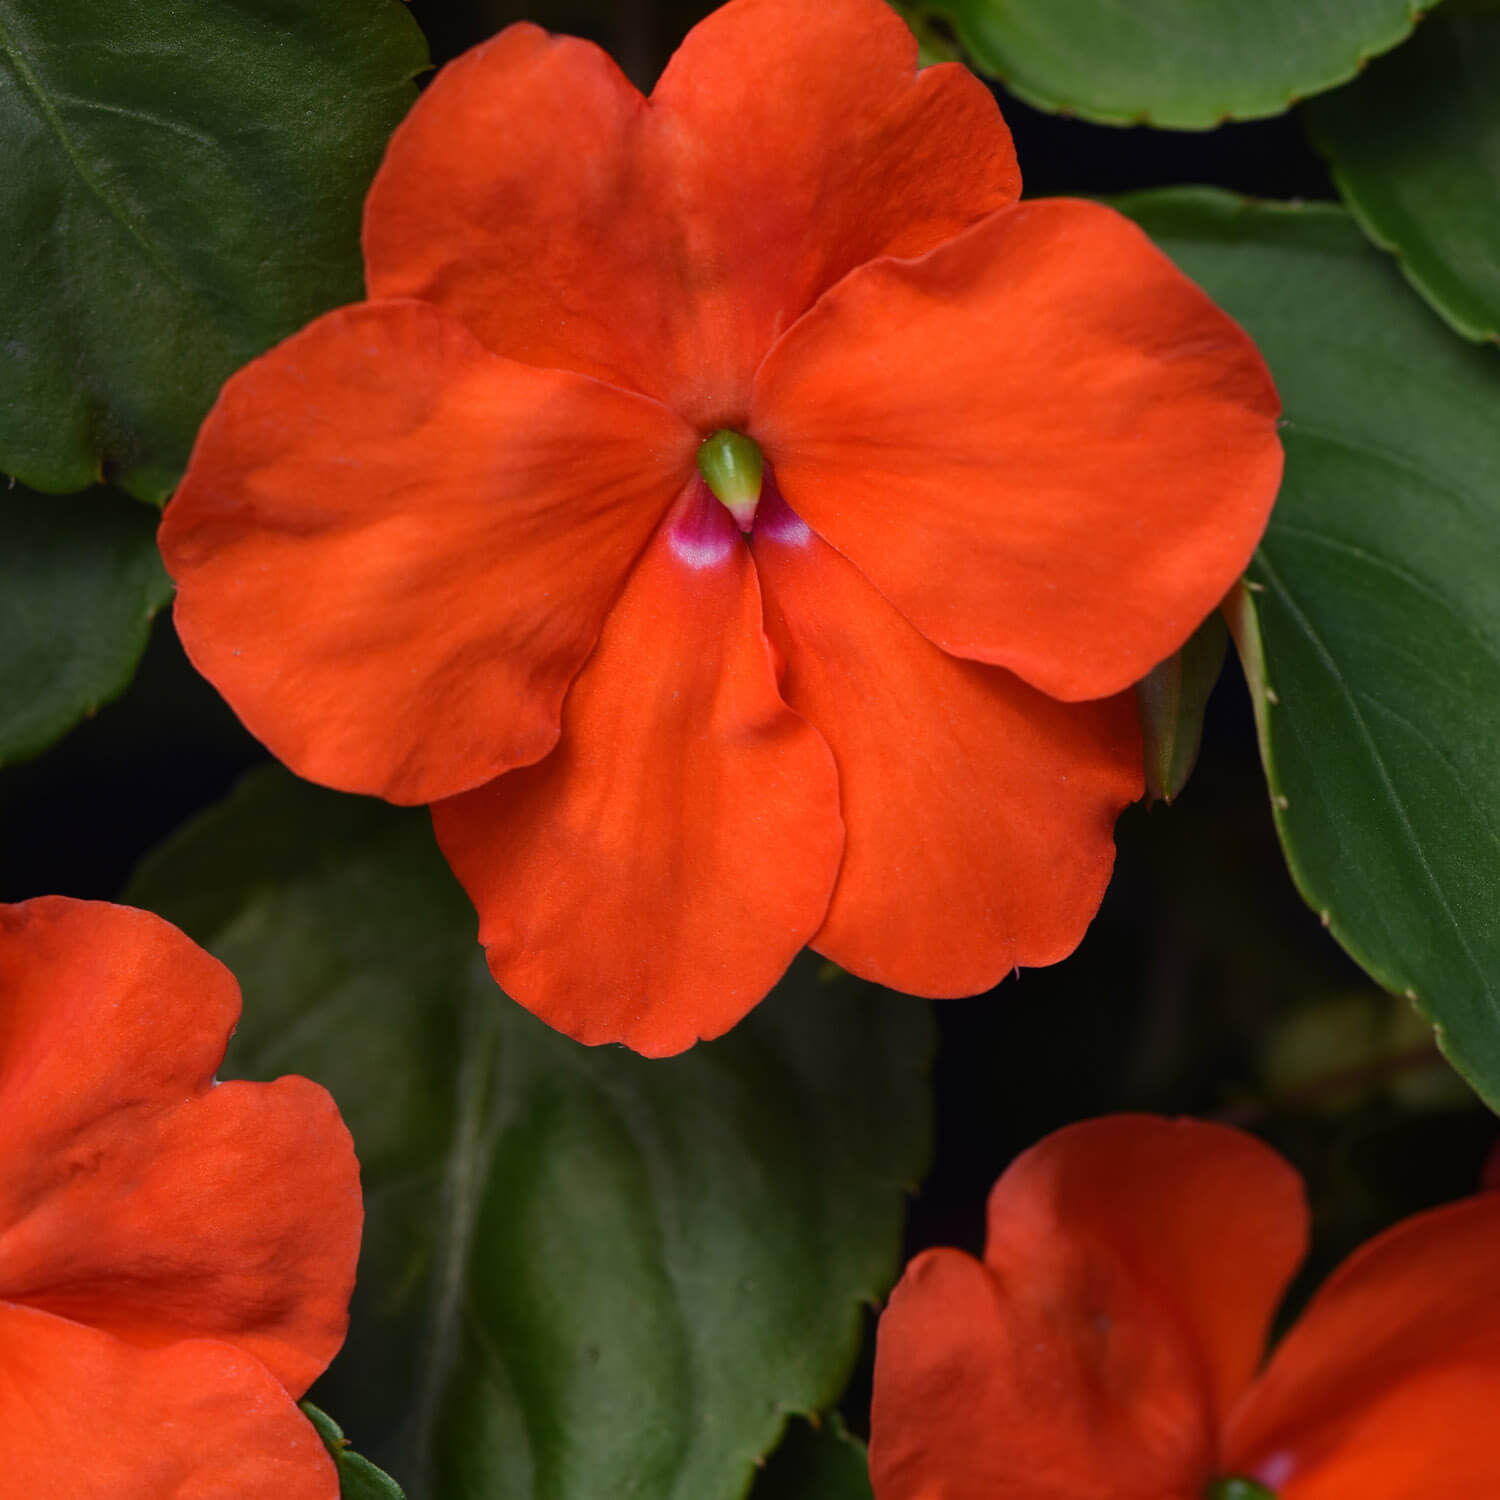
<point x="1172" y="701"/>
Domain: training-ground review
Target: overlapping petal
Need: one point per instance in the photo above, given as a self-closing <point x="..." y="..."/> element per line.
<point x="137" y="1196"/>
<point x="86" y="1416"/>
<point x="664" y="244"/>
<point x="234" y="1214"/>
<point x="1130" y="1273"/>
<point x="1387" y="1385"/>
<point x="979" y="814"/>
<point x="394" y="549"/>
<point x="651" y="879"/>
<point x="1206" y="1222"/>
<point x="981" y="1394"/>
<point x="1040" y="441"/>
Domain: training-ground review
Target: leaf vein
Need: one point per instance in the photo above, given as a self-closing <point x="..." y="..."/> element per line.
<point x="1477" y="502"/>
<point x="1413" y="580"/>
<point x="1475" y="809"/>
<point x="32" y="83"/>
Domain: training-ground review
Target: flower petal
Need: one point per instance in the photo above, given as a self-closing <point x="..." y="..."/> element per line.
<point x="104" y="1006"/>
<point x="663" y="246"/>
<point x="138" y="1196"/>
<point x="979" y="814"/>
<point x="394" y="550"/>
<point x="649" y="882"/>
<point x="88" y="1417"/>
<point x="1430" y="1437"/>
<point x="1386" y="1386"/>
<point x="979" y="1398"/>
<point x="1040" y="441"/>
<point x="1131" y="1269"/>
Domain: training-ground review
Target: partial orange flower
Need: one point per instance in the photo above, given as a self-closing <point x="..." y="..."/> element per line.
<point x="982" y="465"/>
<point x="176" y="1255"/>
<point x="1107" y="1346"/>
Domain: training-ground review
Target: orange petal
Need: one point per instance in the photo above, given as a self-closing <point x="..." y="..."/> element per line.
<point x="87" y="1417"/>
<point x="1387" y="1385"/>
<point x="137" y="1195"/>
<point x="979" y="813"/>
<point x="664" y="245"/>
<point x="981" y="1396"/>
<point x="1432" y="1437"/>
<point x="650" y="880"/>
<point x="1040" y="441"/>
<point x="1131" y="1269"/>
<point x="394" y="550"/>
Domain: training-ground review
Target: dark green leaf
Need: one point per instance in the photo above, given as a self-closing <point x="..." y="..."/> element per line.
<point x="1371" y="634"/>
<point x="1415" y="149"/>
<point x="359" y="1479"/>
<point x="585" y="1273"/>
<point x="1172" y="701"/>
<point x="816" y="1463"/>
<point x="933" y="46"/>
<point x="1189" y="64"/>
<point x="182" y="188"/>
<point x="80" y="579"/>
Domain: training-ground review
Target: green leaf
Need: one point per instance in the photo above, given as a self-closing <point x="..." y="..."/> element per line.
<point x="1371" y="629"/>
<point x="359" y="1479"/>
<point x="1188" y="64"/>
<point x="1172" y="700"/>
<point x="932" y="45"/>
<point x="1415" y="150"/>
<point x="816" y="1463"/>
<point x="182" y="188"/>
<point x="584" y="1273"/>
<point x="80" y="579"/>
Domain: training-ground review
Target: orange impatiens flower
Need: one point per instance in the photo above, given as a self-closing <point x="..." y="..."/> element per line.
<point x="1107" y="1346"/>
<point x="176" y="1255"/>
<point x="982" y="466"/>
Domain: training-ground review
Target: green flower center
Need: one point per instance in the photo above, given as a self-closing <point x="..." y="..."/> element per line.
<point x="731" y="466"/>
<point x="1238" y="1489"/>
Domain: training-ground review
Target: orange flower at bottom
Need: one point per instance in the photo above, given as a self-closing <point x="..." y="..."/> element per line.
<point x="176" y="1255"/>
<point x="1106" y="1348"/>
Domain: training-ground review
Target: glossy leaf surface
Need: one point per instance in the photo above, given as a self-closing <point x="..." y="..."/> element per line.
<point x="1415" y="148"/>
<point x="1371" y="631"/>
<point x="579" y="1264"/>
<point x="80" y="579"/>
<point x="187" y="178"/>
<point x="1189" y="64"/>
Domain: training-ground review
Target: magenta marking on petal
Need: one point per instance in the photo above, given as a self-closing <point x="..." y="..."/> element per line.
<point x="776" y="521"/>
<point x="700" y="551"/>
<point x="1277" y="1469"/>
<point x="700" y="531"/>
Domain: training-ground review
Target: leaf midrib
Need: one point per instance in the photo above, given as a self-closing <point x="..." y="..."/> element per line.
<point x="458" y="1214"/>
